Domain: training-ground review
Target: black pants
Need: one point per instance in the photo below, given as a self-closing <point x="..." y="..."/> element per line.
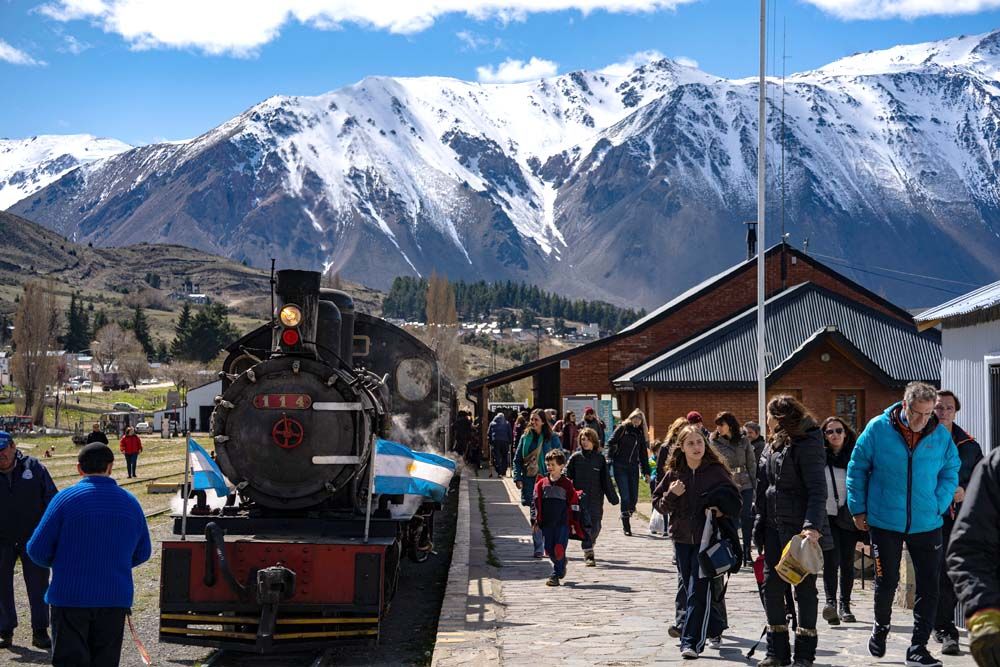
<point x="945" y="617"/>
<point x="130" y="461"/>
<point x="500" y="451"/>
<point x="87" y="636"/>
<point x="746" y="519"/>
<point x="776" y="588"/>
<point x="36" y="581"/>
<point x="925" y="552"/>
<point x="838" y="563"/>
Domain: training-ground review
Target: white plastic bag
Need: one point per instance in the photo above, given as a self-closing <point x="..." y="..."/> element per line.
<point x="657" y="525"/>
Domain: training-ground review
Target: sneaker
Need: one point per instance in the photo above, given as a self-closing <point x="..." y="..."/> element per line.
<point x="802" y="662"/>
<point x="715" y="642"/>
<point x="552" y="581"/>
<point x="40" y="639"/>
<point x="845" y="613"/>
<point x="6" y="639"/>
<point x="938" y="636"/>
<point x="876" y="643"/>
<point x="689" y="654"/>
<point x="830" y="614"/>
<point x="674" y="631"/>
<point x="539" y="554"/>
<point x="950" y="646"/>
<point x="919" y="656"/>
<point x="590" y="562"/>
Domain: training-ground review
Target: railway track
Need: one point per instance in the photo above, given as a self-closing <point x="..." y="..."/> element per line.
<point x="155" y="513"/>
<point x="223" y="658"/>
<point x="148" y="464"/>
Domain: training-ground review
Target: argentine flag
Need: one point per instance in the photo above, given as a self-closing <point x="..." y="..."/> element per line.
<point x="205" y="474"/>
<point x="400" y="470"/>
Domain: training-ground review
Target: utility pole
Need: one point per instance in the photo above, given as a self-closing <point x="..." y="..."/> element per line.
<point x="762" y="246"/>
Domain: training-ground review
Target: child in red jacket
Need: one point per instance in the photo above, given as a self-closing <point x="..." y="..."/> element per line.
<point x="557" y="512"/>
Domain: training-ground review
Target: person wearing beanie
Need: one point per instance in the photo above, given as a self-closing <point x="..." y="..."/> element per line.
<point x="26" y="488"/>
<point x="591" y="420"/>
<point x="91" y="536"/>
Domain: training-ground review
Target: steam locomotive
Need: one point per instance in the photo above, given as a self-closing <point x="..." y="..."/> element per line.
<point x="301" y="555"/>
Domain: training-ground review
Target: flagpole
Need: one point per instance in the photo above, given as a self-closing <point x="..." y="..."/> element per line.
<point x="371" y="487"/>
<point x="761" y="230"/>
<point x="185" y="490"/>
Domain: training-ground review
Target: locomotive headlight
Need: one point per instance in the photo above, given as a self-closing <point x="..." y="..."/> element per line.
<point x="290" y="316"/>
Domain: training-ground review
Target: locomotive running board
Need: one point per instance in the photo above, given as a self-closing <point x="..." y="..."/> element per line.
<point x="336" y="460"/>
<point x="336" y="407"/>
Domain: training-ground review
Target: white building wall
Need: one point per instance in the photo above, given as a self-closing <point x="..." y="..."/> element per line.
<point x="964" y="371"/>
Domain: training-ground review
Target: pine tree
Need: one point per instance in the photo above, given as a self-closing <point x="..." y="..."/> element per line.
<point x="77" y="335"/>
<point x="182" y="333"/>
<point x="100" y="321"/>
<point x="140" y="328"/>
<point x="162" y="353"/>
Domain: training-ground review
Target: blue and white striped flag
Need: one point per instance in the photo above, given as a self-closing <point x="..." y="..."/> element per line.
<point x="205" y="473"/>
<point x="399" y="469"/>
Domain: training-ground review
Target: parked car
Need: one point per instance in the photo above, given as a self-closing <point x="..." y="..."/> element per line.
<point x="143" y="427"/>
<point x="124" y="407"/>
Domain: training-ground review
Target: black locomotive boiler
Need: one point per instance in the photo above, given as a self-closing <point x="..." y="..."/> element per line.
<point x="301" y="556"/>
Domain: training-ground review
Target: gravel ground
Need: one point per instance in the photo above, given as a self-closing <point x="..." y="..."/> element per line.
<point x="408" y="631"/>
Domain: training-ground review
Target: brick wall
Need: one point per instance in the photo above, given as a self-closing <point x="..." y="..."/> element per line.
<point x="812" y="380"/>
<point x="592" y="370"/>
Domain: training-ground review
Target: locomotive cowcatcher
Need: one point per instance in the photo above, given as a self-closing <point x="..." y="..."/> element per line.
<point x="300" y="556"/>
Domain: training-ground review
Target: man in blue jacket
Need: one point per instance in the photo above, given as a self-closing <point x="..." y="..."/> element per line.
<point x="900" y="481"/>
<point x="25" y="491"/>
<point x="91" y="535"/>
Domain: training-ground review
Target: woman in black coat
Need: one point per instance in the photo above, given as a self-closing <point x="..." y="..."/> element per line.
<point x="791" y="500"/>
<point x="838" y="563"/>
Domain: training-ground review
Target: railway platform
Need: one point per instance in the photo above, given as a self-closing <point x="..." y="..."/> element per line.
<point x="614" y="614"/>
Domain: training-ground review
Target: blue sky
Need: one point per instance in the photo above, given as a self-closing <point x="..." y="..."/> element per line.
<point x="113" y="68"/>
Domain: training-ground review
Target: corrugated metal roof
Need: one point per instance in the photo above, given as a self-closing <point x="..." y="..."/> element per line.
<point x="980" y="299"/>
<point x="727" y="353"/>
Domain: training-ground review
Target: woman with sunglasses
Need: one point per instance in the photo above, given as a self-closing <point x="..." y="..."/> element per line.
<point x="838" y="563"/>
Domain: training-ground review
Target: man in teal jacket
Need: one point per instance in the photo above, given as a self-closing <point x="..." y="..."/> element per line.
<point x="901" y="479"/>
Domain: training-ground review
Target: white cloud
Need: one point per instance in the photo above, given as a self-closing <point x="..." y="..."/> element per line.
<point x="73" y="45"/>
<point x="512" y="71"/>
<point x="474" y="42"/>
<point x="633" y="62"/>
<point x="904" y="9"/>
<point x="16" y="56"/>
<point x="240" y="27"/>
<point x="686" y="62"/>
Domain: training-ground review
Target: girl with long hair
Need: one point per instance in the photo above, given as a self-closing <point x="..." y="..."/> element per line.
<point x="628" y="451"/>
<point x="694" y="472"/>
<point x="791" y="500"/>
<point x="589" y="471"/>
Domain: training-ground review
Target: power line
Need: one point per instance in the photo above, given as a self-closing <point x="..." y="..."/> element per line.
<point x="902" y="273"/>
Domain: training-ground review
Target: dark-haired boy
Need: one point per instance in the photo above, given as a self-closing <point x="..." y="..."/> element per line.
<point x="556" y="501"/>
<point x="91" y="535"/>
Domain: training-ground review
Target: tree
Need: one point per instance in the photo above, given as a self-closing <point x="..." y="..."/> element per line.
<point x="77" y="327"/>
<point x="109" y="344"/>
<point x="162" y="353"/>
<point x="139" y="326"/>
<point x="133" y="363"/>
<point x="442" y="320"/>
<point x="100" y="321"/>
<point x="528" y="319"/>
<point x="182" y="333"/>
<point x="210" y="331"/>
<point x="182" y="373"/>
<point x="36" y="325"/>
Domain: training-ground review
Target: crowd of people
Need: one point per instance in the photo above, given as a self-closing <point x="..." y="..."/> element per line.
<point x="904" y="480"/>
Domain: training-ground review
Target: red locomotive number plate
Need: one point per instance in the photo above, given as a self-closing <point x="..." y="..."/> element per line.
<point x="282" y="401"/>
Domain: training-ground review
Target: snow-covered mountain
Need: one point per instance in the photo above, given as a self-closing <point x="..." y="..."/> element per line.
<point x="625" y="186"/>
<point x="28" y="165"/>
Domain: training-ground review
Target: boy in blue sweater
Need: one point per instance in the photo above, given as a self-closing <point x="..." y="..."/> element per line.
<point x="91" y="535"/>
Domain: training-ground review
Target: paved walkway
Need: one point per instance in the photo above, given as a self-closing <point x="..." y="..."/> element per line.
<point x="616" y="613"/>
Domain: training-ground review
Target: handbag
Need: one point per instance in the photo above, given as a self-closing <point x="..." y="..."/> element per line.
<point x="844" y="519"/>
<point x="717" y="555"/>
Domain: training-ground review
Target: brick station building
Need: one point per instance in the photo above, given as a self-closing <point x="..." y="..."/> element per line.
<point x="852" y="356"/>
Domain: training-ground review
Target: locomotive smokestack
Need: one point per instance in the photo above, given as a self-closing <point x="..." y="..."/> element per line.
<point x="299" y="289"/>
